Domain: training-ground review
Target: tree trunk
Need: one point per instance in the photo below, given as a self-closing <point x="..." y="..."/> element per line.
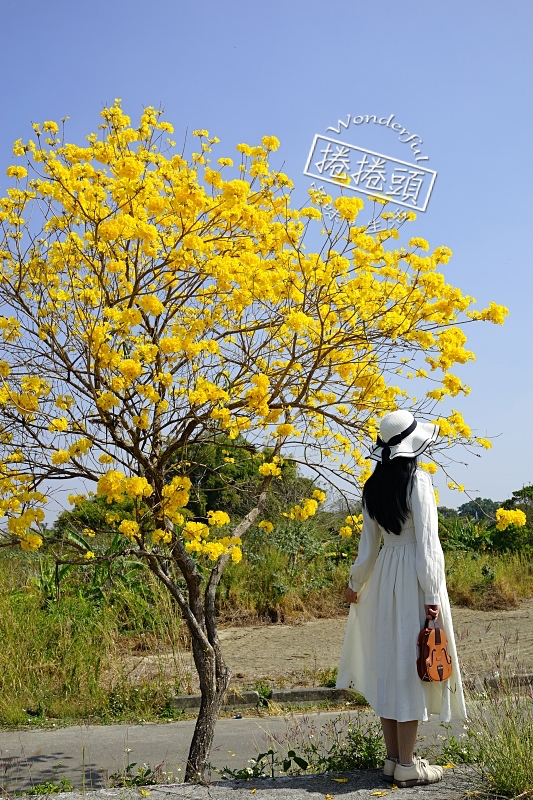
<point x="213" y="672"/>
<point x="200" y="615"/>
<point x="214" y="677"/>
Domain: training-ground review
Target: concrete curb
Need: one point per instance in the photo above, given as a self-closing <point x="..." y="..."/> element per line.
<point x="360" y="785"/>
<point x="301" y="696"/>
<point x="320" y="694"/>
<point x="236" y="700"/>
<point x="512" y="681"/>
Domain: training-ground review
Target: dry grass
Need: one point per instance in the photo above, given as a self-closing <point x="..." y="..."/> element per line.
<point x="275" y="588"/>
<point x="499" y="735"/>
<point x="488" y="582"/>
<point x="69" y="660"/>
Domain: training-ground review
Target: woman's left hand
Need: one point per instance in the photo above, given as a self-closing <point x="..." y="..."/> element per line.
<point x="351" y="596"/>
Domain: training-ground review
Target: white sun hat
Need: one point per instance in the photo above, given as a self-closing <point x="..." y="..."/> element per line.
<point x="401" y="435"/>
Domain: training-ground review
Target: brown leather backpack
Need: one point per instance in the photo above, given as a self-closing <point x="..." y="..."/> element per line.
<point x="433" y="662"/>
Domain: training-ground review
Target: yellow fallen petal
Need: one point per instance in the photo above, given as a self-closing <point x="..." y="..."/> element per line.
<point x="449" y="766"/>
<point x="340" y="780"/>
<point x="253" y="791"/>
<point x="378" y="794"/>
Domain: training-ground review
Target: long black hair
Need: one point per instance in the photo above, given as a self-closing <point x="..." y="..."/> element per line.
<point x="387" y="492"/>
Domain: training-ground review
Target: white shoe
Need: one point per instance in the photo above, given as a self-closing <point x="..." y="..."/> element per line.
<point x="388" y="769"/>
<point x="419" y="773"/>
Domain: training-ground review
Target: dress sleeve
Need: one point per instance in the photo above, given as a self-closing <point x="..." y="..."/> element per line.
<point x="429" y="555"/>
<point x="368" y="551"/>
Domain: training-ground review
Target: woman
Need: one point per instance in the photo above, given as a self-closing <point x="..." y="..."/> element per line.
<point x="392" y="591"/>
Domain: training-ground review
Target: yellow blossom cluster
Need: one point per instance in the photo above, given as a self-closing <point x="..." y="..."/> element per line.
<point x="129" y="528"/>
<point x="160" y="536"/>
<point x="175" y="497"/>
<point x="428" y="466"/>
<point x="267" y="526"/>
<point x="505" y="517"/>
<point x="353" y="524"/>
<point x="454" y="426"/>
<point x="113" y="485"/>
<point x="458" y="487"/>
<point x="20" y="502"/>
<point x="271" y="468"/>
<point x="307" y="508"/>
<point x="77" y="499"/>
<point x="356" y="521"/>
<point x="218" y="518"/>
<point x="286" y="429"/>
<point x="196" y="535"/>
<point x="31" y="541"/>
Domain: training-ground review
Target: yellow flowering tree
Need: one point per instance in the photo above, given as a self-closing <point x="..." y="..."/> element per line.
<point x="150" y="303"/>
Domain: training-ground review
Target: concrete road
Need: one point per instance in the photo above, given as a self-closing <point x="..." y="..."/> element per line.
<point x="88" y="755"/>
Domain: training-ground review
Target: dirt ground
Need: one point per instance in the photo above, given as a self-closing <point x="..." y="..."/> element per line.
<point x="293" y="655"/>
<point x="487" y="642"/>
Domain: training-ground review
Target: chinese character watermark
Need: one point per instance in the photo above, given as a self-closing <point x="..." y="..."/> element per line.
<point x="407" y="185"/>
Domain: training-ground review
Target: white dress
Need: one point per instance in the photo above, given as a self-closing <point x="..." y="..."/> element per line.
<point x="378" y="658"/>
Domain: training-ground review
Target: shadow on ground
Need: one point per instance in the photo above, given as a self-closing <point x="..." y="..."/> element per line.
<point x="20" y="773"/>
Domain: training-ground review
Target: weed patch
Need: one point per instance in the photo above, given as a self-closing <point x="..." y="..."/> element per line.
<point x="77" y="657"/>
<point x="51" y="787"/>
<point x="327" y="677"/>
<point x="340" y="745"/>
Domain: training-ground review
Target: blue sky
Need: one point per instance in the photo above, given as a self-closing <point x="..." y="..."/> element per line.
<point x="458" y="74"/>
